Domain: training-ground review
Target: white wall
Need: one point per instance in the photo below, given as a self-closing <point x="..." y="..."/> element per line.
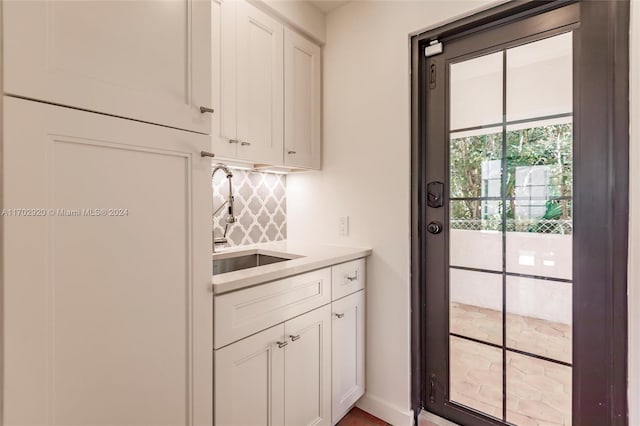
<point x="634" y="230"/>
<point x="366" y="174"/>
<point x="300" y="15"/>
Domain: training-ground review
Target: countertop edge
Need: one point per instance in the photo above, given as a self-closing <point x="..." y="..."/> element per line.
<point x="263" y="278"/>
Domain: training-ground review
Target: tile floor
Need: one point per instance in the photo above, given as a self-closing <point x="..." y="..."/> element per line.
<point x="357" y="417"/>
<point x="538" y="391"/>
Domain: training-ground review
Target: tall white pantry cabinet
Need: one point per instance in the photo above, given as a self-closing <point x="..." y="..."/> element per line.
<point x="107" y="303"/>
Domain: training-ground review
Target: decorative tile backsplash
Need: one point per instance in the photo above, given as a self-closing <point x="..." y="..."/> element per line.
<point x="260" y="206"/>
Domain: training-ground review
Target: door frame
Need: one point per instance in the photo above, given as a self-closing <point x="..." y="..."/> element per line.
<point x="601" y="104"/>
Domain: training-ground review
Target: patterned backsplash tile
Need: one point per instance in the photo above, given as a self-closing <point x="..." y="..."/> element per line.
<point x="260" y="206"/>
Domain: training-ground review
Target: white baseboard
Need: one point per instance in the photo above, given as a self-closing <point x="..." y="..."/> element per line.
<point x="385" y="411"/>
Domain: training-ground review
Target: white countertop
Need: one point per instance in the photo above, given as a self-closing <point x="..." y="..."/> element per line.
<point x="309" y="257"/>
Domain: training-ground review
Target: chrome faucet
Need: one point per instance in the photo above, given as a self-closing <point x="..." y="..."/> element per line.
<point x="228" y="202"/>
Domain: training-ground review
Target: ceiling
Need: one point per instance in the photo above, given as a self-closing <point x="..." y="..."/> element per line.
<point x="327" y="6"/>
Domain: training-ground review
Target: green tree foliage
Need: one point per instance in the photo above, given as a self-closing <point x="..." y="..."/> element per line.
<point x="549" y="146"/>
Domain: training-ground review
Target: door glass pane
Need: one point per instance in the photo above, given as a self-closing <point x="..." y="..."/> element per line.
<point x="539" y="317"/>
<point x="511" y="232"/>
<point x="538" y="391"/>
<point x="475" y="300"/>
<point x="539" y="188"/>
<point x="475" y="235"/>
<point x="476" y="376"/>
<point x="475" y="163"/>
<point x="539" y="78"/>
<point x="479" y="78"/>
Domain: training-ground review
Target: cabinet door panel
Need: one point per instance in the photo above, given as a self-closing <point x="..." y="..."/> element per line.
<point x="107" y="318"/>
<point x="225" y="78"/>
<point x="260" y="85"/>
<point x="302" y="101"/>
<point x="147" y="60"/>
<point x="249" y="385"/>
<point x="308" y="369"/>
<point x="348" y="353"/>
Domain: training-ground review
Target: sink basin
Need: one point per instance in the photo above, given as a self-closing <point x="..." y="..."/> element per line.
<point x="230" y="263"/>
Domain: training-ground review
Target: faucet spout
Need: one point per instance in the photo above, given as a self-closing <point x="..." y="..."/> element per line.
<point x="230" y="218"/>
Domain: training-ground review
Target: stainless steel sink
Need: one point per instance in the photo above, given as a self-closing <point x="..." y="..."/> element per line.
<point x="244" y="261"/>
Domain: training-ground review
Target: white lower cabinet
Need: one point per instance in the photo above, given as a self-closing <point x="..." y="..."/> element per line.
<point x="307" y="368"/>
<point x="249" y="380"/>
<point x="347" y="348"/>
<point x="280" y="376"/>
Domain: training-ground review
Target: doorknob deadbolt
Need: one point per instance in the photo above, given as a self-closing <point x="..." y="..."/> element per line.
<point x="434" y="227"/>
<point x="435" y="194"/>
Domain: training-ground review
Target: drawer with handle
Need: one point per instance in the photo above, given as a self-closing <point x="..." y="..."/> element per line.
<point x="347" y="278"/>
<point x="241" y="313"/>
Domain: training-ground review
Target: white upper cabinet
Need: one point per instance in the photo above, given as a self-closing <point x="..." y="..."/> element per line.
<point x="302" y="101"/>
<point x="148" y="60"/>
<point x="267" y="82"/>
<point x="248" y="84"/>
<point x="260" y="79"/>
<point x="107" y="304"/>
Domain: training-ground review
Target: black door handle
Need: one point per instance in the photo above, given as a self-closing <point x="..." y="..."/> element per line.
<point x="434" y="227"/>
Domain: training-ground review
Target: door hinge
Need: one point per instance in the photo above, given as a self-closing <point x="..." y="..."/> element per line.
<point x="433" y="388"/>
<point x="432" y="76"/>
<point x="434" y="48"/>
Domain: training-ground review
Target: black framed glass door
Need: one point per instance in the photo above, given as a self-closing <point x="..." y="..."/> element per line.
<point x="503" y="223"/>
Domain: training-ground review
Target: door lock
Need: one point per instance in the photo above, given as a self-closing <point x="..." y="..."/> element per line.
<point x="434" y="227"/>
<point x="434" y="194"/>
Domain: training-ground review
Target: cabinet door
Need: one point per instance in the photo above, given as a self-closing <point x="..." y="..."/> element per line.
<point x="249" y="380"/>
<point x="225" y="78"/>
<point x="308" y="369"/>
<point x="260" y="85"/>
<point x="107" y="283"/>
<point x="347" y="353"/>
<point x="302" y="101"/>
<point x="146" y="60"/>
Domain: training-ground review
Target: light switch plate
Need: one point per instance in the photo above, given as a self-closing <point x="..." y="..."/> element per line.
<point x="343" y="226"/>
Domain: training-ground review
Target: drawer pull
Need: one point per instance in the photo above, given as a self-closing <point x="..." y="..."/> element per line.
<point x="282" y="344"/>
<point x="243" y="143"/>
<point x="294" y="338"/>
<point x="353" y="277"/>
<point x="234" y="141"/>
<point x="204" y="109"/>
<point x="339" y="315"/>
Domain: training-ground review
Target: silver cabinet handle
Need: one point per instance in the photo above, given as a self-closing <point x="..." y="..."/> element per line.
<point x="207" y="154"/>
<point x="243" y="143"/>
<point x="353" y="277"/>
<point x="291" y="152"/>
<point x="282" y="344"/>
<point x="294" y="338"/>
<point x="339" y="315"/>
<point x="204" y="109"/>
<point x="234" y="141"/>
